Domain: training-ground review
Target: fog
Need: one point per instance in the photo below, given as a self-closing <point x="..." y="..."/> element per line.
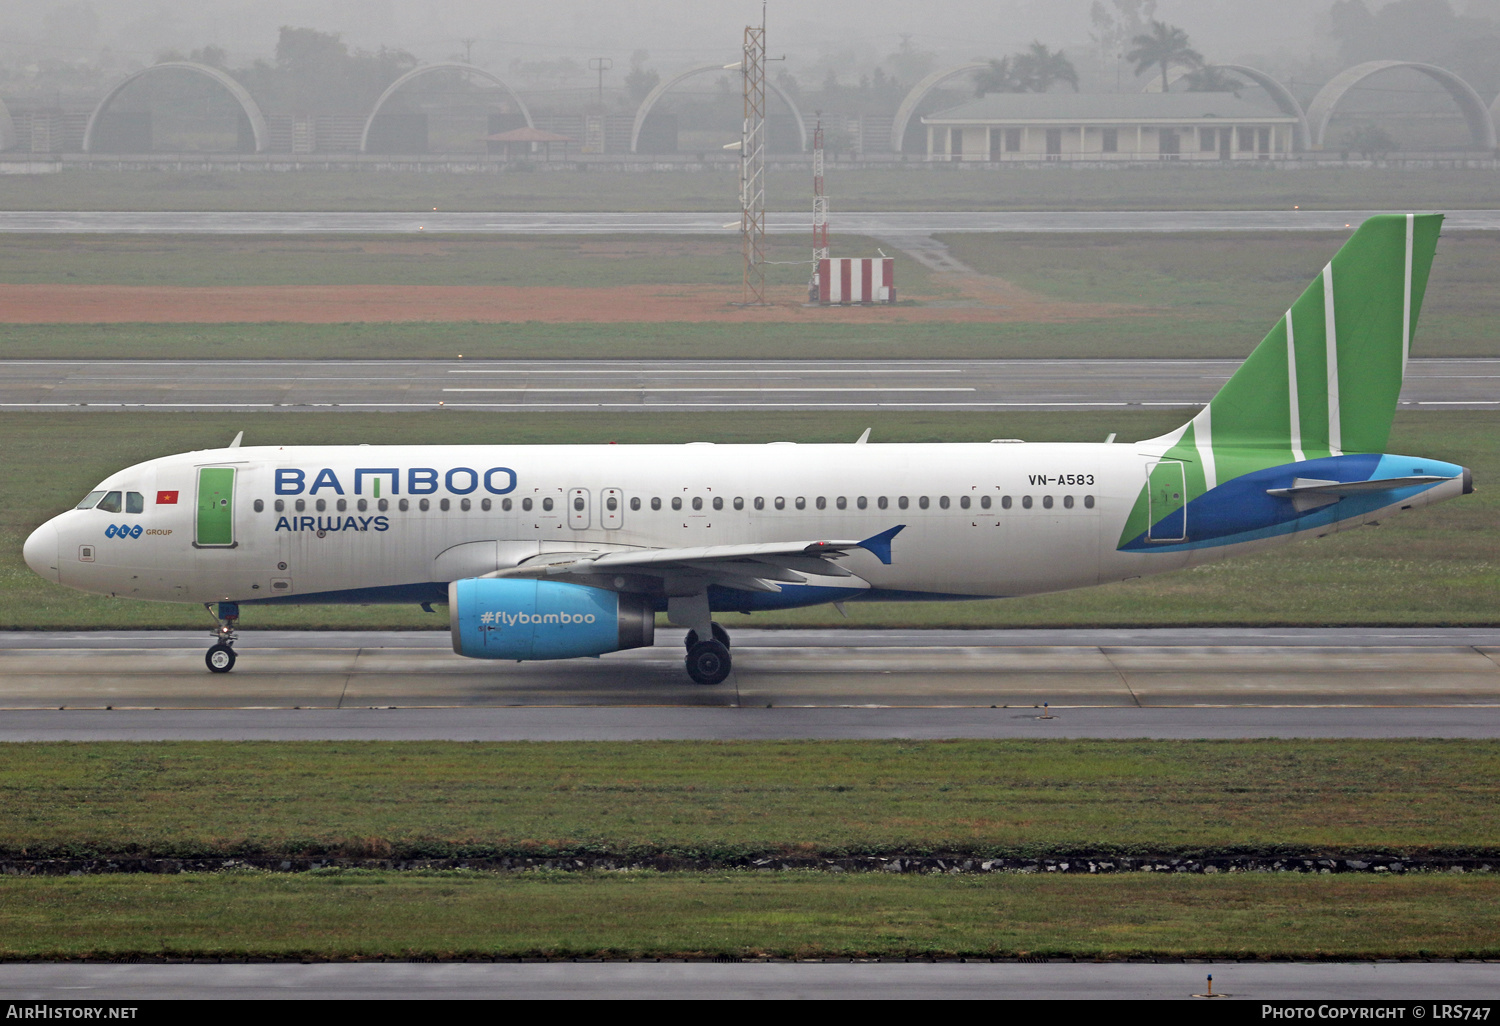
<point x="855" y="34"/>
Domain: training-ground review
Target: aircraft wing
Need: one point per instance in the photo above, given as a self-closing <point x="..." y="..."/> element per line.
<point x="762" y="566"/>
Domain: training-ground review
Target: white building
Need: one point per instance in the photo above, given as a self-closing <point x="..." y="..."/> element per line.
<point x="1108" y="126"/>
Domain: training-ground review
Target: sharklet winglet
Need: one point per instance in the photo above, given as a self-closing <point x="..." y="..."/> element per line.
<point x="880" y="544"/>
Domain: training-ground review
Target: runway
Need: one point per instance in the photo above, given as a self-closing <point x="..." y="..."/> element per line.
<point x="660" y="385"/>
<point x="786" y="684"/>
<point x="1401" y="984"/>
<point x="875" y="223"/>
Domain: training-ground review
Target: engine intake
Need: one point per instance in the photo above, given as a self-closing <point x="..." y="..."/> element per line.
<point x="499" y="618"/>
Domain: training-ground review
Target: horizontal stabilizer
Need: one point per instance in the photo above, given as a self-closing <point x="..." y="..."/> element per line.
<point x="1311" y="493"/>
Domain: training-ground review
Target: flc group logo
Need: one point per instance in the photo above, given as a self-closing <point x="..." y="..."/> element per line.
<point x="122" y="531"/>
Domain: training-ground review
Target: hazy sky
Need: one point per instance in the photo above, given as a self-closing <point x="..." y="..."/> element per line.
<point x="676" y="32"/>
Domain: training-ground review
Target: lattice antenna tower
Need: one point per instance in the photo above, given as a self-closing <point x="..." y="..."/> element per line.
<point x="753" y="163"/>
<point x="820" y="198"/>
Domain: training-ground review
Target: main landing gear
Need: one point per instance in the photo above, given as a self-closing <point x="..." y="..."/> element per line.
<point x="220" y="656"/>
<point x="708" y="662"/>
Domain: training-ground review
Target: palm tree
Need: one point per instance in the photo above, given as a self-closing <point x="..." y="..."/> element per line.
<point x="1209" y="79"/>
<point x="998" y="78"/>
<point x="1031" y="71"/>
<point x="1038" y="67"/>
<point x="1164" y="45"/>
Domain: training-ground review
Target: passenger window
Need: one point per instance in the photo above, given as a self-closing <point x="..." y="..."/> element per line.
<point x="1025" y="502"/>
<point x="110" y="503"/>
<point x="881" y="502"/>
<point x="404" y="505"/>
<point x="484" y="505"/>
<point x="984" y="502"/>
<point x="943" y="501"/>
<point x="321" y="505"/>
<point x="922" y="502"/>
<point x="525" y="504"/>
<point x="423" y="505"/>
<point x="697" y="502"/>
<point x="90" y="500"/>
<point x="1005" y="502"/>
<point x="343" y="505"/>
<point x="841" y="502"/>
<point x="822" y="502"/>
<point x="505" y="505"/>
<point x="801" y="502"/>
<point x="385" y="504"/>
<point x="1067" y="502"/>
<point x="463" y="504"/>
<point x="635" y="503"/>
<point x="903" y="502"/>
<point x="363" y="504"/>
<point x="676" y="502"/>
<point x="862" y="502"/>
<point x="546" y="505"/>
<point x="259" y="505"/>
<point x="1046" y="502"/>
<point x="780" y="502"/>
<point x="760" y="502"/>
<point x="135" y="502"/>
<point x="1088" y="502"/>
<point x="656" y="504"/>
<point x="739" y="502"/>
<point x="718" y="502"/>
<point x="963" y="502"/>
<point x="281" y="506"/>
<point x="611" y="503"/>
<point x="301" y="505"/>
<point x="443" y="505"/>
<point x="578" y="503"/>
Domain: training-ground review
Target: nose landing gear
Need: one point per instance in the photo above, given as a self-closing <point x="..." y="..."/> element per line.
<point x="220" y="656"/>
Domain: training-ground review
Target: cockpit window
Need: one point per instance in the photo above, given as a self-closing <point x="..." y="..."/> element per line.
<point x="110" y="503"/>
<point x="135" y="502"/>
<point x="90" y="500"/>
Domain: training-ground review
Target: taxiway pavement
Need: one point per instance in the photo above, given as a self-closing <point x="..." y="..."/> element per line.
<point x="660" y="385"/>
<point x="1175" y="683"/>
<point x="1399" y="983"/>
<point x="876" y="223"/>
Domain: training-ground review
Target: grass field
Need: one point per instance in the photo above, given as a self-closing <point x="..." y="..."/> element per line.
<point x="732" y="799"/>
<point x="717" y="800"/>
<point x="935" y="188"/>
<point x="1179" y="295"/>
<point x="1435" y="566"/>
<point x="354" y="915"/>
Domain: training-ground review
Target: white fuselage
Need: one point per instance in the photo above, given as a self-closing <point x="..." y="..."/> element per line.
<point x="397" y="523"/>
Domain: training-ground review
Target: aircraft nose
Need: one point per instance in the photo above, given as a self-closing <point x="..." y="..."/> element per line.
<point x="40" y="551"/>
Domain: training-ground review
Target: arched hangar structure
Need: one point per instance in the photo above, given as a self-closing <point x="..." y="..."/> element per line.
<point x="1280" y="95"/>
<point x="1476" y="114"/>
<point x="241" y="96"/>
<point x="427" y="69"/>
<point x="919" y="93"/>
<point x="644" y="110"/>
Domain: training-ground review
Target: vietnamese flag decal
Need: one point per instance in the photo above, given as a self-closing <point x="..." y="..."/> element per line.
<point x="166" y="498"/>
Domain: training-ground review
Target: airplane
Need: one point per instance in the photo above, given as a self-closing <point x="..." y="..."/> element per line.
<point x="562" y="551"/>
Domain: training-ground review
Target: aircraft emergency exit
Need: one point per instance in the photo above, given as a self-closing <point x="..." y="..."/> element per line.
<point x="553" y="552"/>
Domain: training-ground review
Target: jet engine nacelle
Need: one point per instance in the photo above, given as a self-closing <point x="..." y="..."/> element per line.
<point x="500" y="618"/>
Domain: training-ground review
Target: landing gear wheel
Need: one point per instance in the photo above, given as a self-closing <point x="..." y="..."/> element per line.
<point x="219" y="658"/>
<point x="708" y="663"/>
<point x="720" y="635"/>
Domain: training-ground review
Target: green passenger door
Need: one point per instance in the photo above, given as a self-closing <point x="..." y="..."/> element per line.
<point x="215" y="526"/>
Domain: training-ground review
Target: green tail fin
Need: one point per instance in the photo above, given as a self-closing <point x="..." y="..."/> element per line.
<point x="1327" y="378"/>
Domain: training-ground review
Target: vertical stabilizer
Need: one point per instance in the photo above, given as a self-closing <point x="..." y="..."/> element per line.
<point x="1326" y="380"/>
